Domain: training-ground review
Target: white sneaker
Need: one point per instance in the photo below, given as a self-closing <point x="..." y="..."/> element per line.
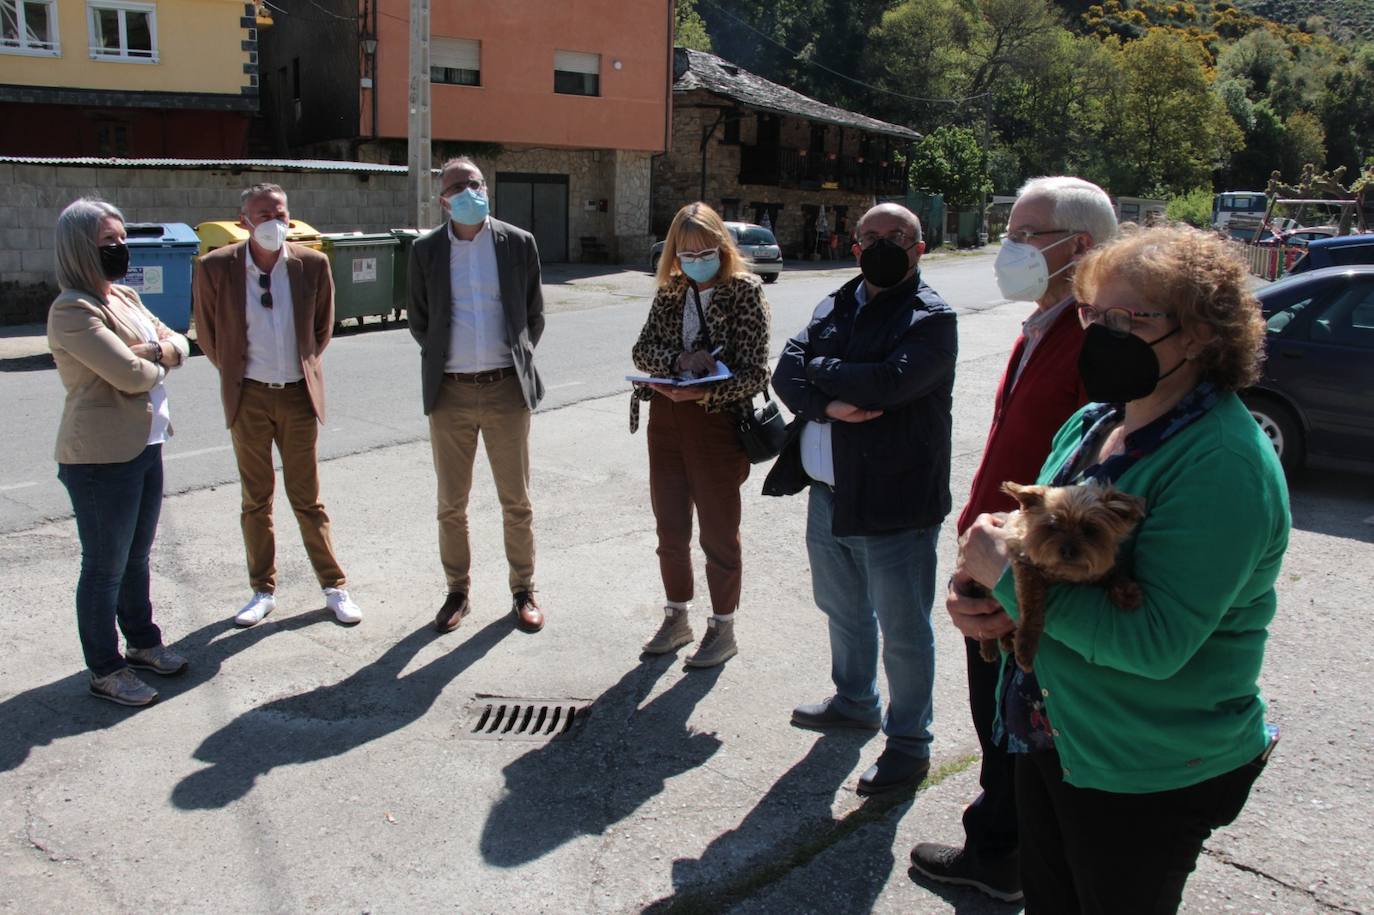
<point x="345" y="611"/>
<point x="261" y="604"/>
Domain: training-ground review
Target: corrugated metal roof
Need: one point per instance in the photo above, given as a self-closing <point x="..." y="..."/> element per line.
<point x="699" y="70"/>
<point x="326" y="165"/>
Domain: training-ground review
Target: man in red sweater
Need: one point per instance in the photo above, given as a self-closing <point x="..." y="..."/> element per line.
<point x="1053" y="223"/>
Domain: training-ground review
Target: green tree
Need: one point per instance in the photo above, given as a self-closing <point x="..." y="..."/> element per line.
<point x="689" y="31"/>
<point x="949" y="161"/>
<point x="1194" y="208"/>
<point x="1169" y="131"/>
<point x="1305" y="141"/>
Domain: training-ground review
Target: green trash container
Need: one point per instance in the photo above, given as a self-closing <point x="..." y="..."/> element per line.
<point x="364" y="268"/>
<point x="400" y="286"/>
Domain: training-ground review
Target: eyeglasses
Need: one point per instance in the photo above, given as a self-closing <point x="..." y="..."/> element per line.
<point x="696" y="257"/>
<point x="476" y="184"/>
<point x="1023" y="236"/>
<point x="899" y="238"/>
<point x="265" y="284"/>
<point x="1116" y="319"/>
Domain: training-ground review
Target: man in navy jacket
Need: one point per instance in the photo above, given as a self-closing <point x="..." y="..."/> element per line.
<point x="870" y="381"/>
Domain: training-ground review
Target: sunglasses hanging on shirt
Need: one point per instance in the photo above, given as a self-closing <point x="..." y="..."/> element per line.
<point x="265" y="283"/>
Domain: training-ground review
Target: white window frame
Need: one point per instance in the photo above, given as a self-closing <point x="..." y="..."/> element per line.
<point x="122" y="7"/>
<point x="23" y="47"/>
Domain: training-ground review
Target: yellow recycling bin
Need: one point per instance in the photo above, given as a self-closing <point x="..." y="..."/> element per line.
<point x="223" y="232"/>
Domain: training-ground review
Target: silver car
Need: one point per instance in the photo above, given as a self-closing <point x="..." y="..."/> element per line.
<point x="757" y="245"/>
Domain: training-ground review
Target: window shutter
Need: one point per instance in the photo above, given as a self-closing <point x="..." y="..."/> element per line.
<point x="577" y="62"/>
<point x="458" y="53"/>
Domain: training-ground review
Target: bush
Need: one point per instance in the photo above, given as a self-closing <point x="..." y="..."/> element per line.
<point x="1194" y="208"/>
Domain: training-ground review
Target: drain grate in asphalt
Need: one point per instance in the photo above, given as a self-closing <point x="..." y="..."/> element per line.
<point x="508" y="718"/>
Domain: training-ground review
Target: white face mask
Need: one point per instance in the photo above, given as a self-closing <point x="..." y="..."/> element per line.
<point x="270" y="235"/>
<point x="1022" y="274"/>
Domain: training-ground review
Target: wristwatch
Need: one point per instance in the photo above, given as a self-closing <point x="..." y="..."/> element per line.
<point x="157" y="353"/>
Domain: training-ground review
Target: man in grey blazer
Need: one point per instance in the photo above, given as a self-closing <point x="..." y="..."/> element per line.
<point x="477" y="311"/>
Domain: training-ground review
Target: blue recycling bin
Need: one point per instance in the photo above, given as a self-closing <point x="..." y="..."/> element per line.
<point x="161" y="256"/>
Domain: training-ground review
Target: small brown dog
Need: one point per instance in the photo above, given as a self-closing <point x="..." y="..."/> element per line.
<point x="1064" y="533"/>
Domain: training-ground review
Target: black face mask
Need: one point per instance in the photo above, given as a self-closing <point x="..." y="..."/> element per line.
<point x="114" y="260"/>
<point x="884" y="263"/>
<point x="1117" y="369"/>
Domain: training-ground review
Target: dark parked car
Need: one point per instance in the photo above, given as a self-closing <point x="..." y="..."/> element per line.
<point x="1316" y="399"/>
<point x="1336" y="252"/>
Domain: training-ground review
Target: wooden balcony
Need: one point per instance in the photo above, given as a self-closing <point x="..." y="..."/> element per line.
<point x="797" y="168"/>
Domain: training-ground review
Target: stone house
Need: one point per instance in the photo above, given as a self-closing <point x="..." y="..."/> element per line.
<point x="760" y="152"/>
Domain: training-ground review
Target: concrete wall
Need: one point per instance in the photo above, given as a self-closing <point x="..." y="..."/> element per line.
<point x="32" y="196"/>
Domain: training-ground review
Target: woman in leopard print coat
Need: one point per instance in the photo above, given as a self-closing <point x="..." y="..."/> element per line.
<point x="695" y="458"/>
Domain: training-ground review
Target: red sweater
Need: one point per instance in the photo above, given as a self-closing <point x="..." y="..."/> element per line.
<point x="1026" y="418"/>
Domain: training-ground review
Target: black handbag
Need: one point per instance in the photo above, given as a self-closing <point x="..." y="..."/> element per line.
<point x="761" y="431"/>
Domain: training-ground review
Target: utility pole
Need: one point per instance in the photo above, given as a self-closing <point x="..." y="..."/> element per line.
<point x="420" y="162"/>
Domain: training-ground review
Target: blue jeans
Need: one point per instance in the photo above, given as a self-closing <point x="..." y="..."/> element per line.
<point x="116" y="508"/>
<point x="865" y="584"/>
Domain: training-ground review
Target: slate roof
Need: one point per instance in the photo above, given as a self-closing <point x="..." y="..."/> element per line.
<point x="328" y="165"/>
<point x="699" y="70"/>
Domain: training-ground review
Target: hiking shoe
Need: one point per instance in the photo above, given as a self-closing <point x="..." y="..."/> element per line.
<point x="451" y="614"/>
<point x="717" y="646"/>
<point x="528" y="616"/>
<point x="1000" y="879"/>
<point x="258" y="606"/>
<point x="123" y="686"/>
<point x="159" y="659"/>
<point x="345" y="611"/>
<point x="894" y="769"/>
<point x="674" y="632"/>
<point x="819" y="715"/>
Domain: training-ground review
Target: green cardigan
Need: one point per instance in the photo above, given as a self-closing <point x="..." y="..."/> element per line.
<point x="1166" y="696"/>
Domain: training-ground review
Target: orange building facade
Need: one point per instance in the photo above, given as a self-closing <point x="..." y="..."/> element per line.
<point x="562" y="105"/>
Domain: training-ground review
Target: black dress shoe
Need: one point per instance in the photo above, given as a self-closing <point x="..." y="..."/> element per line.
<point x="455" y="607"/>
<point x="894" y="769"/>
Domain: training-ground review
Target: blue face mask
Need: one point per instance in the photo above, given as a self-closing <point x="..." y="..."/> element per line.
<point x="703" y="270"/>
<point x="468" y="207"/>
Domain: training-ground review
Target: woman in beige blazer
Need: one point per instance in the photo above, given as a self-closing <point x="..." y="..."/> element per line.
<point x="112" y="355"/>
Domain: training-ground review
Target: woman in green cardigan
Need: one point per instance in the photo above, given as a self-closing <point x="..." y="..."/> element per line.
<point x="1141" y="731"/>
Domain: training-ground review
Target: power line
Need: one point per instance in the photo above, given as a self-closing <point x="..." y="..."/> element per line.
<point x="797" y="55"/>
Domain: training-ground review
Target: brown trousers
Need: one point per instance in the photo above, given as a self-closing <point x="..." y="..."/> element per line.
<point x="283" y="416"/>
<point x="498" y="411"/>
<point x="695" y="460"/>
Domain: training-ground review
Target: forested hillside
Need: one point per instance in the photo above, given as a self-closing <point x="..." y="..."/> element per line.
<point x="1343" y="18"/>
<point x="1148" y="97"/>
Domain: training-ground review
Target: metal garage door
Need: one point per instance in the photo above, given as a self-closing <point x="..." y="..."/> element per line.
<point x="539" y="205"/>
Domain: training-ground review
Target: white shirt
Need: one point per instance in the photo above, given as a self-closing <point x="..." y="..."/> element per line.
<point x="478" y="341"/>
<point x="158" y="432"/>
<point x="273" y="356"/>
<point x="691" y="321"/>
<point x="817" y="451"/>
<point x="1034" y="329"/>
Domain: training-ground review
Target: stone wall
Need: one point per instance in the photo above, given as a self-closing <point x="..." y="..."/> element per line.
<point x="678" y="178"/>
<point x="32" y="196"/>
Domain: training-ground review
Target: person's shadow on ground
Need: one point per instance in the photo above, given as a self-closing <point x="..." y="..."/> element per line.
<point x="64" y="708"/>
<point x="569" y="788"/>
<point x="328" y="720"/>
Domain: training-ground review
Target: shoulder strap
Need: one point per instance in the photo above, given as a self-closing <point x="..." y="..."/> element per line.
<point x="701" y="315"/>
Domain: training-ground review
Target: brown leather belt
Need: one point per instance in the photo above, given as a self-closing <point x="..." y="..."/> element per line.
<point x="487" y="377"/>
<point x="274" y="385"/>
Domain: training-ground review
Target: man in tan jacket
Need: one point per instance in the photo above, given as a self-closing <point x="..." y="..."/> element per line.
<point x="264" y="312"/>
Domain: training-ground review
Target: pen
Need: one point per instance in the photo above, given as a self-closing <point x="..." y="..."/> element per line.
<point x="717" y="351"/>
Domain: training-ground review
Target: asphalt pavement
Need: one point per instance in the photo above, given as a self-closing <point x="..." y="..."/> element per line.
<point x="303" y="766"/>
